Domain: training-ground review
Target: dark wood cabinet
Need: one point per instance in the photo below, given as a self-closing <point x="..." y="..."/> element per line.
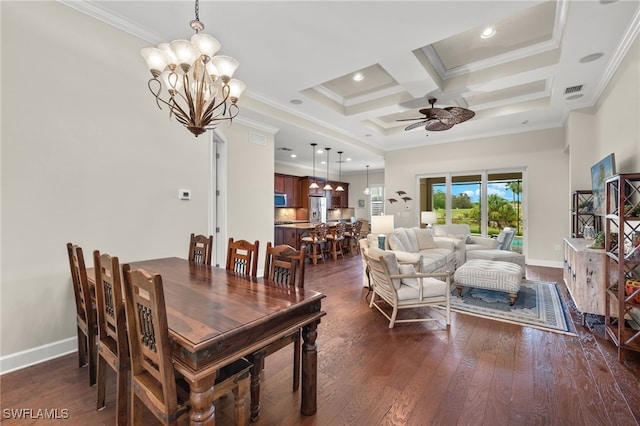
<point x="289" y="185"/>
<point x="279" y="184"/>
<point x="284" y="235"/>
<point x="298" y="191"/>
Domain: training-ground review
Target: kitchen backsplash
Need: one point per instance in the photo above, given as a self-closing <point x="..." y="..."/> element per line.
<point x="285" y="214"/>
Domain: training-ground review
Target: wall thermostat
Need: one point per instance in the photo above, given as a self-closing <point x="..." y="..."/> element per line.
<point x="184" y="194"/>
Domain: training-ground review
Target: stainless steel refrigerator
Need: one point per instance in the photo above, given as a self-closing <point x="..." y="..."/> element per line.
<point x="317" y="209"/>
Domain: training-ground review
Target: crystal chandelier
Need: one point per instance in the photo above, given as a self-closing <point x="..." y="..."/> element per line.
<point x="198" y="88"/>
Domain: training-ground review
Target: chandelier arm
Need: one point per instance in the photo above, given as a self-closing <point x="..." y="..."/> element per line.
<point x="156" y="93"/>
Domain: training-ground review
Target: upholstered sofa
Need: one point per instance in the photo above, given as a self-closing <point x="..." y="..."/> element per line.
<point x="460" y="236"/>
<point x="417" y="246"/>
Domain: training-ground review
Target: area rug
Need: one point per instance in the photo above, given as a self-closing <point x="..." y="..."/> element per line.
<point x="538" y="305"/>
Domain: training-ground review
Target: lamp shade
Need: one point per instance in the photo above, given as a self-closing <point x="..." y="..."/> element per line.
<point x="428" y="217"/>
<point x="382" y="224"/>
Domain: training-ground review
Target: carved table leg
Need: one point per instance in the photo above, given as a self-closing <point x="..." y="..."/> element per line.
<point x="201" y="400"/>
<point x="256" y="372"/>
<point x="309" y="369"/>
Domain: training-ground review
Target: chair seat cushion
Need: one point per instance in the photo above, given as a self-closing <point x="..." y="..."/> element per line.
<point x="432" y="287"/>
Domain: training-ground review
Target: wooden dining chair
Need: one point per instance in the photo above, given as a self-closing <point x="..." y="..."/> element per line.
<point x="200" y="248"/>
<point x="113" y="347"/>
<point x="316" y="240"/>
<point x="153" y="377"/>
<point x="242" y="257"/>
<point x="283" y="266"/>
<point x="85" y="312"/>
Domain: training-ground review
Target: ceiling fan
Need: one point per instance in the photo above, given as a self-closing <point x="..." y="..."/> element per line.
<point x="438" y="119"/>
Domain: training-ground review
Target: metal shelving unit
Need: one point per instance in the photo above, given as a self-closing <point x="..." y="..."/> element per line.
<point x="622" y="246"/>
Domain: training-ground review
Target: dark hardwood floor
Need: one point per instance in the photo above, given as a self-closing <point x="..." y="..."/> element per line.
<point x="479" y="372"/>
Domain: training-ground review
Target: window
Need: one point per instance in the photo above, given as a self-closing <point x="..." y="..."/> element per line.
<point x="377" y="200"/>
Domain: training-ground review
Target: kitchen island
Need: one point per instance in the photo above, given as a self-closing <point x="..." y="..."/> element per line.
<point x="291" y="233"/>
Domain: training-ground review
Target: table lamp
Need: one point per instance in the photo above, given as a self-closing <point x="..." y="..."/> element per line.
<point x="428" y="218"/>
<point x="381" y="225"/>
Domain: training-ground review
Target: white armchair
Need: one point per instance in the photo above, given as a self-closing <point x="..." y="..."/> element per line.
<point x="402" y="288"/>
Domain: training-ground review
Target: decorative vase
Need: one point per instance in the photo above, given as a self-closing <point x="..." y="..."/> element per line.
<point x="588" y="232"/>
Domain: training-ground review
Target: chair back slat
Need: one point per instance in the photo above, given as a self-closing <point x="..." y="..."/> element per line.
<point x="109" y="301"/>
<point x="200" y="249"/>
<point x="152" y="370"/>
<point x="242" y="257"/>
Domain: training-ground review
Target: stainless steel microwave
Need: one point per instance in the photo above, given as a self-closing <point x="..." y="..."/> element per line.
<point x="280" y="200"/>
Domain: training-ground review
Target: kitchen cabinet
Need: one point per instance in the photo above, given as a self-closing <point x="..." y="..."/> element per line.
<point x="338" y="199"/>
<point x="289" y="185"/>
<point x="278" y="184"/>
<point x="283" y="235"/>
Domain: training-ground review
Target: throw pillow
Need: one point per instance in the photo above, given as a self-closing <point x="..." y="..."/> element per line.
<point x="395" y="243"/>
<point x="401" y="233"/>
<point x="413" y="240"/>
<point x="408" y="270"/>
<point x="425" y="239"/>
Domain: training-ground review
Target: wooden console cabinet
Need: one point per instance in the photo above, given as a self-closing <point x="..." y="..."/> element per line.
<point x="584" y="275"/>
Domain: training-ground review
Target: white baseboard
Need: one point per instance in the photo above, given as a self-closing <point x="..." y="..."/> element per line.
<point x="547" y="263"/>
<point x="19" y="360"/>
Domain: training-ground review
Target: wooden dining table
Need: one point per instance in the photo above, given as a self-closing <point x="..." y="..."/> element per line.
<point x="217" y="316"/>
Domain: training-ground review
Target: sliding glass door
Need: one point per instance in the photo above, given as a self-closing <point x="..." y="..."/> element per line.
<point x="486" y="201"/>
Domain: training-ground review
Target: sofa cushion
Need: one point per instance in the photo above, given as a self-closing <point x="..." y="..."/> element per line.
<point x="401" y="233"/>
<point x="408" y="270"/>
<point x="462" y="237"/>
<point x="395" y="243"/>
<point x="425" y="239"/>
<point x="438" y="260"/>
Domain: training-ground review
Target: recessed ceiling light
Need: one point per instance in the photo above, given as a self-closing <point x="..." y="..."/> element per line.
<point x="295" y="101"/>
<point x="358" y="77"/>
<point x="572" y="97"/>
<point x="488" y="32"/>
<point x="592" y="57"/>
<point x="293" y="156"/>
<point x="348" y="159"/>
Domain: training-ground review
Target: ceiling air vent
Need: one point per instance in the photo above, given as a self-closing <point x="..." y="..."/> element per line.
<point x="285" y="149"/>
<point x="572" y="89"/>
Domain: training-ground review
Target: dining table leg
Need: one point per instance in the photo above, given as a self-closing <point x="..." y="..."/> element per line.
<point x="201" y="400"/>
<point x="256" y="376"/>
<point x="309" y="369"/>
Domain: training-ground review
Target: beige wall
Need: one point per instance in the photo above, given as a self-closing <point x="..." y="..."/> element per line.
<point x="87" y="157"/>
<point x="541" y="154"/>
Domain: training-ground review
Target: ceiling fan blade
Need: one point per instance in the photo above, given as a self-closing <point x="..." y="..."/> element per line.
<point x="411" y="119"/>
<point x="458" y="115"/>
<point x="416" y="125"/>
<point x="437" y="126"/>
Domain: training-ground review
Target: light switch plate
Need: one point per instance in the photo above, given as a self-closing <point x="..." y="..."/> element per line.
<point x="184" y="194"/>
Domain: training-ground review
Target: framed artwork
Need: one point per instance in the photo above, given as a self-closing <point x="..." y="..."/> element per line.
<point x="361" y="204"/>
<point x="599" y="172"/>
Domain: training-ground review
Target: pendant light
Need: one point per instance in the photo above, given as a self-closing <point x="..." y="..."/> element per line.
<point x="339" y="188"/>
<point x="314" y="185"/>
<point x="367" y="191"/>
<point x="328" y="187"/>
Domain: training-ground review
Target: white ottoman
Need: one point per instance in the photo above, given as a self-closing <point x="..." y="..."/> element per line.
<point x="498" y="255"/>
<point x="490" y="275"/>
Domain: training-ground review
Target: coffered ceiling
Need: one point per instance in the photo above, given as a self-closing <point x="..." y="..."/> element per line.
<point x="299" y="59"/>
